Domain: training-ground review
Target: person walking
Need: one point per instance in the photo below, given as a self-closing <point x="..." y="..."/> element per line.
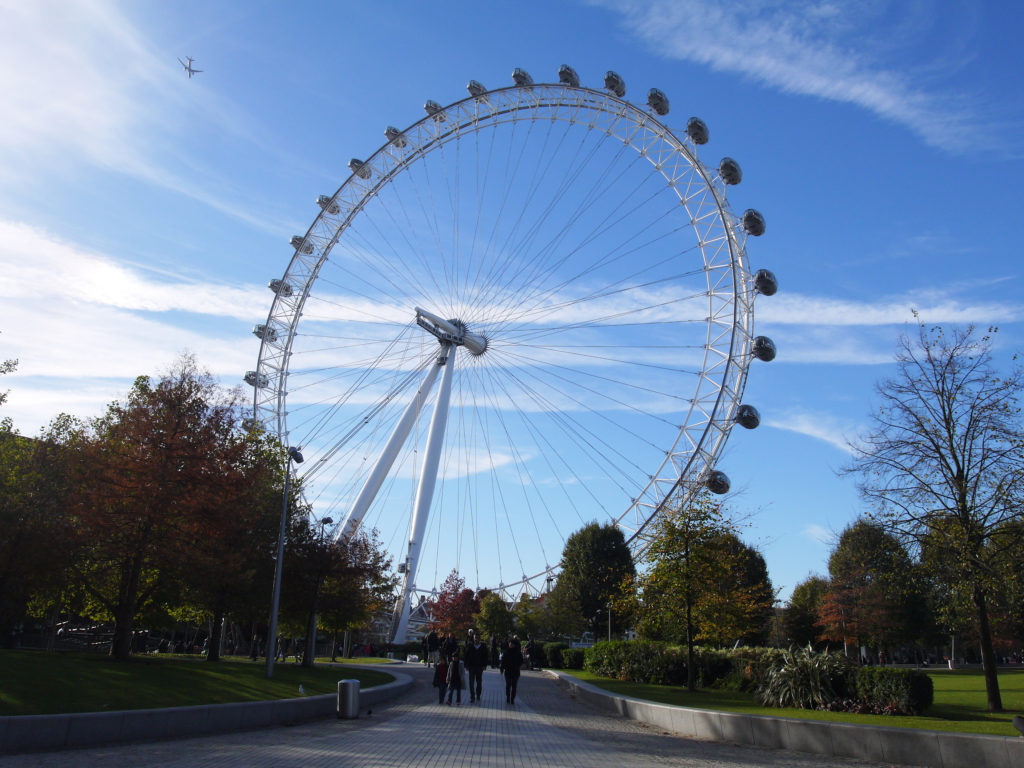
<point x="494" y="652"/>
<point x="432" y="645"/>
<point x="455" y="683"/>
<point x="476" y="663"/>
<point x="511" y="661"/>
<point x="441" y="678"/>
<point x="449" y="646"/>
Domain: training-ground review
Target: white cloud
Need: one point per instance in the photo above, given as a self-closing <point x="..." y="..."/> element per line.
<point x="819" y="534"/>
<point x="36" y="266"/>
<point x="821" y="426"/>
<point x="80" y="84"/>
<point x="796" y="309"/>
<point x="832" y="51"/>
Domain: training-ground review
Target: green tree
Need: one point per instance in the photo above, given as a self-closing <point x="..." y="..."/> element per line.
<point x="6" y="366"/>
<point x="874" y="585"/>
<point x="944" y="458"/>
<point x="595" y="563"/>
<point x="693" y="588"/>
<point x="494" y="618"/>
<point x="800" y="621"/>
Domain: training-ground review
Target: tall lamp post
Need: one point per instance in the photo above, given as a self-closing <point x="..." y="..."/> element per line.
<point x="293" y="455"/>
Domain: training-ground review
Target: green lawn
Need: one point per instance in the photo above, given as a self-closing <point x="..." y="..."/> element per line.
<point x="959" y="702"/>
<point x="34" y="682"/>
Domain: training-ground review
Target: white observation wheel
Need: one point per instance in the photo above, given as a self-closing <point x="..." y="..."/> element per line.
<point x="529" y="310"/>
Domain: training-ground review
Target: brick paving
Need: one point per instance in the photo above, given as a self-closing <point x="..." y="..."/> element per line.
<point x="546" y="727"/>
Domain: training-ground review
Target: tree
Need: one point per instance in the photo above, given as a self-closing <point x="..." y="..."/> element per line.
<point x="6" y="366"/>
<point x="694" y="588"/>
<point x="357" y="585"/>
<point x="595" y="563"/>
<point x="800" y="621"/>
<point x="494" y="618"/>
<point x="149" y="473"/>
<point x="944" y="460"/>
<point x="455" y="605"/>
<point x="873" y="593"/>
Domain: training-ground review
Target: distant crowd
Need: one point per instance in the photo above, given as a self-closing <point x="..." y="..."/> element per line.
<point x="453" y="664"/>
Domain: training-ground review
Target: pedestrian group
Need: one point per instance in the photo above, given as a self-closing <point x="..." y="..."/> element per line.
<point x="456" y="668"/>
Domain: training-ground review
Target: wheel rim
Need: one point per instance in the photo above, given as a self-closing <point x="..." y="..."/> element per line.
<point x="601" y="260"/>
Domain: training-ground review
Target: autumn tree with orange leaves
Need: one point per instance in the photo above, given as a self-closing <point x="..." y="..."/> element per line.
<point x="158" y="475"/>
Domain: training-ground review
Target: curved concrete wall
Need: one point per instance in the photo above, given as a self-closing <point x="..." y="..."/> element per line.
<point x="31" y="733"/>
<point x="899" y="746"/>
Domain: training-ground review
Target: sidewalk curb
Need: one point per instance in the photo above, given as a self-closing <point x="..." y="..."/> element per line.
<point x="37" y="733"/>
<point x="898" y="746"/>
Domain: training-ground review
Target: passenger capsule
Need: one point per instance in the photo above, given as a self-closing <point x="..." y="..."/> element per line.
<point x="765" y="282"/>
<point x="717" y="482"/>
<point x="265" y="333"/>
<point x="280" y="287"/>
<point x="753" y="222"/>
<point x="299" y="243"/>
<point x="359" y="168"/>
<point x="250" y="423"/>
<point x="614" y="83"/>
<point x="657" y="101"/>
<point x="476" y="90"/>
<point x="327" y="204"/>
<point x="729" y="171"/>
<point x="521" y="77"/>
<point x="697" y="130"/>
<point x="567" y="76"/>
<point x="434" y="109"/>
<point x="748" y="417"/>
<point x="257" y="380"/>
<point x="763" y="349"/>
<point x="394" y="136"/>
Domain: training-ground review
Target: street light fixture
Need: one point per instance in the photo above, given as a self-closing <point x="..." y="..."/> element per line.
<point x="293" y="455"/>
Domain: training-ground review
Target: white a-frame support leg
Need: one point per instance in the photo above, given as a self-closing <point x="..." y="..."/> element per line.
<point x="425" y="491"/>
<point x="387" y="457"/>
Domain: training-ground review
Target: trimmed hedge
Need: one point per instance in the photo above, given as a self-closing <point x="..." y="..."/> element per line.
<point x="573" y="658"/>
<point x="902" y="691"/>
<point x="553" y="654"/>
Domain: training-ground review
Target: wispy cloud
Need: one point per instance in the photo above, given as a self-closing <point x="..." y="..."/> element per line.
<point x="821" y="426"/>
<point x="836" y="51"/>
<point x="80" y="84"/>
<point x="35" y="265"/>
<point x="84" y="325"/>
<point x="932" y="307"/>
<point x="819" y="534"/>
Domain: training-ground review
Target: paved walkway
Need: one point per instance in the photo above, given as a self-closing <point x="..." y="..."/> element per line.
<point x="546" y="727"/>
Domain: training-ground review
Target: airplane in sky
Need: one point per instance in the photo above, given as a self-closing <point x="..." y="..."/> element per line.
<point x="188" y="67"/>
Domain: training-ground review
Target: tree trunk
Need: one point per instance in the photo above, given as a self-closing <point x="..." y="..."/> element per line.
<point x="213" y="649"/>
<point x="988" y="656"/>
<point x="691" y="678"/>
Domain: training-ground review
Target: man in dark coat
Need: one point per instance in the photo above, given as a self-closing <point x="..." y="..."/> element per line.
<point x="511" y="661"/>
<point x="476" y="661"/>
<point x="495" y="653"/>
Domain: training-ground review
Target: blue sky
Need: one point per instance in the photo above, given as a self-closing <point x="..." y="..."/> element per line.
<point x="142" y="213"/>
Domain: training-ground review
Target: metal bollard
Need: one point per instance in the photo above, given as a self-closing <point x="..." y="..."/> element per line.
<point x="348" y="699"/>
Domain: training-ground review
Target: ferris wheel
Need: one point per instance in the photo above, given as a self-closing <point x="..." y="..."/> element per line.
<point x="529" y="310"/>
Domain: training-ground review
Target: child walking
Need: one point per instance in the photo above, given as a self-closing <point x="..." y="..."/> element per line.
<point x="455" y="678"/>
<point x="441" y="678"/>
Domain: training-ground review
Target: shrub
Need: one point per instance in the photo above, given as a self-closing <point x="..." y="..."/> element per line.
<point x="553" y="654"/>
<point x="572" y="658"/>
<point x="901" y="691"/>
<point x="638" y="662"/>
<point x="804" y="679"/>
<point x="538" y="657"/>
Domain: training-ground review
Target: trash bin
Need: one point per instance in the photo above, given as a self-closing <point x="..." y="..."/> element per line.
<point x="348" y="699"/>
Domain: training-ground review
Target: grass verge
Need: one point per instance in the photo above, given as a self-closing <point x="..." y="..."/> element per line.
<point x="960" y="703"/>
<point x="38" y="683"/>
